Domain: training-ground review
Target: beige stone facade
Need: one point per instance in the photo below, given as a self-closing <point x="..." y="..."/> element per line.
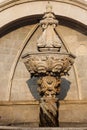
<point x="19" y="32"/>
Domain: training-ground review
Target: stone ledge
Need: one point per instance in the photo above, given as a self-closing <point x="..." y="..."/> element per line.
<point x="8" y="103"/>
<point x="50" y="128"/>
<point x="35" y="102"/>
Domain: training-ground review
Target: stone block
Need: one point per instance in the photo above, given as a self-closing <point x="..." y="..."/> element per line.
<point x="19" y="114"/>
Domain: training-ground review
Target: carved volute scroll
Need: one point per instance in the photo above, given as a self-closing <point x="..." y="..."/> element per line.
<point x="49" y="64"/>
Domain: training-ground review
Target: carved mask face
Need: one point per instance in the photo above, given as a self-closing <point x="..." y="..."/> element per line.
<point x="49" y="93"/>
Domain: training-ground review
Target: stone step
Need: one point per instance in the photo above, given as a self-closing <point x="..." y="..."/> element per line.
<point x="45" y="128"/>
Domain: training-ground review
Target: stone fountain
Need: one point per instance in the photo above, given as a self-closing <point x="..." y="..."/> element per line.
<point x="49" y="65"/>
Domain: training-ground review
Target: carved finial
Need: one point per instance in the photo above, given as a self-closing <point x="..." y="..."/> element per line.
<point x="48" y="7"/>
<point x="49" y="40"/>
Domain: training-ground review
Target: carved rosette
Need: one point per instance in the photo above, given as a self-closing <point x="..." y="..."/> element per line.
<point x="49" y="64"/>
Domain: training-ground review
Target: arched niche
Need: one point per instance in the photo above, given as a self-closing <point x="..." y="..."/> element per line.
<point x="11" y="10"/>
<point x="19" y="39"/>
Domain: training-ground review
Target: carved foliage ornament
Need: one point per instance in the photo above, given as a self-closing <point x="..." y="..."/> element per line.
<point x="52" y="64"/>
<point x="49" y="86"/>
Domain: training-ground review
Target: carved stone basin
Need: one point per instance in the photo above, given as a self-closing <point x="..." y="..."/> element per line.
<point x="55" y="64"/>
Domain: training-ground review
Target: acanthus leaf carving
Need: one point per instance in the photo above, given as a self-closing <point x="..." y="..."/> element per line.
<point x="52" y="64"/>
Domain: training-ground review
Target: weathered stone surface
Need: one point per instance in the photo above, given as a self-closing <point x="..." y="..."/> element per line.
<point x="10" y="44"/>
<point x="71" y="113"/>
<point x="71" y="9"/>
<point x="74" y="88"/>
<point x="27" y="128"/>
<point x="19" y="114"/>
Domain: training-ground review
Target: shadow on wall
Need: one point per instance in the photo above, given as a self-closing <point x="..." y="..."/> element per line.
<point x="32" y="84"/>
<point x="65" y="86"/>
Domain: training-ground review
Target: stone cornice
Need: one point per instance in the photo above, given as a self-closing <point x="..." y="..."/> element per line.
<point x="34" y="102"/>
<point x="9" y="3"/>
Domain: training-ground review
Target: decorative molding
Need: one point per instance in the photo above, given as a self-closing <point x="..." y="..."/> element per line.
<point x="22" y="46"/>
<point x="11" y="103"/>
<point x="9" y="3"/>
<point x="48" y="63"/>
<point x="35" y="102"/>
<point x="32" y="6"/>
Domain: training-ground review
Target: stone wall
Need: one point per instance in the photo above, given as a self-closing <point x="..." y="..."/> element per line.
<point x="19" y="88"/>
<point x="13" y="10"/>
<point x="18" y="94"/>
<point x="71" y="114"/>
